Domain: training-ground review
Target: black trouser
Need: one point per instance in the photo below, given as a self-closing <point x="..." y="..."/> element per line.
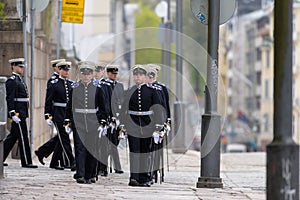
<point x="85" y="141"/>
<point x="63" y="149"/>
<point x="47" y="148"/>
<point x="157" y="158"/>
<point x="85" y="161"/>
<point x="139" y="158"/>
<point x="113" y="148"/>
<point x="15" y="135"/>
<point x="102" y="143"/>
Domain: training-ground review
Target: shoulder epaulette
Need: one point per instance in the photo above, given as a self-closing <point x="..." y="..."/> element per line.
<point x="159" y="83"/>
<point x="12" y="77"/>
<point x="96" y="83"/>
<point x="75" y="84"/>
<point x="53" y="77"/>
<point x="104" y="83"/>
<point x="109" y="81"/>
<point x="155" y="87"/>
<point x="54" y="81"/>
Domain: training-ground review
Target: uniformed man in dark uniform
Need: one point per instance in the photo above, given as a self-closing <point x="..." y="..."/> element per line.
<point x="141" y="113"/>
<point x="17" y="106"/>
<point x="103" y="117"/>
<point x="81" y="113"/>
<point x="57" y="96"/>
<point x="46" y="149"/>
<point x="164" y="90"/>
<point x="116" y="98"/>
<point x="158" y="139"/>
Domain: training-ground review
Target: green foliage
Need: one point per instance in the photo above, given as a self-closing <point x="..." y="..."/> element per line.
<point x="191" y="27"/>
<point x="2" y="14"/>
<point x="194" y="29"/>
<point x="147" y="18"/>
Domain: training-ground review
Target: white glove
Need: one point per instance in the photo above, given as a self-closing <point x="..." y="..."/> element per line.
<point x="112" y="127"/>
<point x="155" y="136"/>
<point x="117" y="123"/>
<point x="68" y="129"/>
<point x="16" y="119"/>
<point x="49" y="122"/>
<point x="167" y="128"/>
<point x="102" y="131"/>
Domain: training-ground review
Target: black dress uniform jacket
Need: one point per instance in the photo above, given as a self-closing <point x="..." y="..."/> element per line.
<point x="140" y="99"/>
<point x="165" y="97"/>
<point x="16" y="89"/>
<point x="57" y="92"/>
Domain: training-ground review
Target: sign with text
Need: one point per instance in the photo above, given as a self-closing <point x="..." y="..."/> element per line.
<point x="72" y="11"/>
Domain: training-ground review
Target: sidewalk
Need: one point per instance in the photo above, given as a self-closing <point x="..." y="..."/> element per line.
<point x="243" y="176"/>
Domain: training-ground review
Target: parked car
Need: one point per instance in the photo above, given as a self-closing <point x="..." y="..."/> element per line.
<point x="236" y="148"/>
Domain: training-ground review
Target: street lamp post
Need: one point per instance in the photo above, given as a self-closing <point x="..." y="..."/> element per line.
<point x="179" y="107"/>
<point x="283" y="153"/>
<point x="211" y="124"/>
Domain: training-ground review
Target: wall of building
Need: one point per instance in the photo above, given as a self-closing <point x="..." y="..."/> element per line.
<point x="11" y="46"/>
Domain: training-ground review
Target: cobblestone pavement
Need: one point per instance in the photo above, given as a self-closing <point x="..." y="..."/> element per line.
<point x="243" y="177"/>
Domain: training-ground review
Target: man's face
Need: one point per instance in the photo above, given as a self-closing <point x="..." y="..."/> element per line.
<point x="112" y="76"/>
<point x="64" y="73"/>
<point x="99" y="74"/>
<point x="18" y="69"/>
<point x="55" y="69"/>
<point x="139" y="78"/>
<point x="149" y="80"/>
<point x="86" y="77"/>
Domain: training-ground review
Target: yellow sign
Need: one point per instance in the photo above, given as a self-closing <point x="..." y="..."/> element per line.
<point x="72" y="11"/>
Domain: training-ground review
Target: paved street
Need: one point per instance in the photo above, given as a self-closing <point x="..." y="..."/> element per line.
<point x="243" y="176"/>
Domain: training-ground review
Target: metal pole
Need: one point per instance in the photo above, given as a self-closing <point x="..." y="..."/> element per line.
<point x="24" y="39"/>
<point x="58" y="29"/>
<point x="168" y="45"/>
<point x="32" y="75"/>
<point x="163" y="51"/>
<point x="179" y="49"/>
<point x="179" y="108"/>
<point x="283" y="153"/>
<point x="211" y="125"/>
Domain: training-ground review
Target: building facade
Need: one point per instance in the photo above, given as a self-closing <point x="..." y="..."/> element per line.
<point x="247" y="46"/>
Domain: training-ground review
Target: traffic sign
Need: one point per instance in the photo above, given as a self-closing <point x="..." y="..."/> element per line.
<point x="40" y="5"/>
<point x="72" y="11"/>
<point x="200" y="10"/>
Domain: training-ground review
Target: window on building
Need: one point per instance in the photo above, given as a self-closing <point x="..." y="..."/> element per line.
<point x="266" y="122"/>
<point x="230" y="101"/>
<point x="258" y="78"/>
<point x="258" y="54"/>
<point x="249" y="101"/>
<point x="266" y="89"/>
<point x="268" y="58"/>
<point x="249" y="57"/>
<point x="257" y="102"/>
